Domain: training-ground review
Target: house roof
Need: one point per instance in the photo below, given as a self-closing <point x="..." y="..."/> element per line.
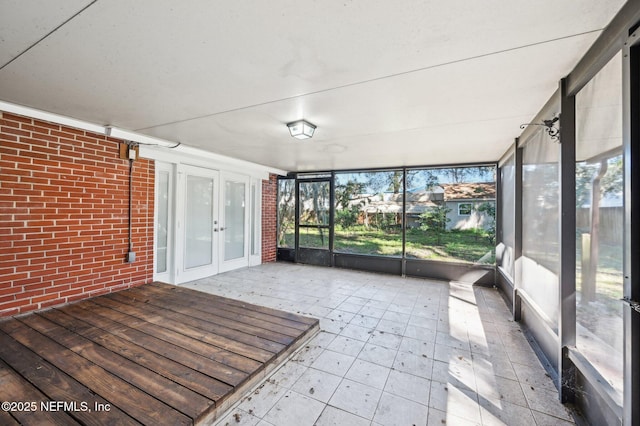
<point x="469" y="191"/>
<point x="420" y="201"/>
<point x="392" y="206"/>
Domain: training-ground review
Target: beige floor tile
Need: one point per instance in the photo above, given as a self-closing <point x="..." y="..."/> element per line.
<point x="441" y="418"/>
<point x="446" y="352"/>
<point x="333" y="362"/>
<point x="458" y="400"/>
<point x="356" y="398"/>
<point x="317" y="384"/>
<point x="332" y="416"/>
<point x="396" y="411"/>
<point x="408" y="386"/>
<point x="418" y="365"/>
<point x="368" y="373"/>
<point x="346" y="345"/>
<point x="294" y="409"/>
<point x="504" y="413"/>
<point x="378" y="354"/>
<point x="546" y="401"/>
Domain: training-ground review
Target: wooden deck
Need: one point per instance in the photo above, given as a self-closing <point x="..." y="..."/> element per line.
<point x="156" y="354"/>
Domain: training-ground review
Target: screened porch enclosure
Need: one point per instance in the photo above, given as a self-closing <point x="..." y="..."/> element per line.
<point x="417" y="221"/>
<point x="470" y="184"/>
<point x="566" y="241"/>
<point x="550" y="224"/>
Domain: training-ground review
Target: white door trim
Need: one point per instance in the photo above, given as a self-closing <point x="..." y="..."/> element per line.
<point x="184" y="274"/>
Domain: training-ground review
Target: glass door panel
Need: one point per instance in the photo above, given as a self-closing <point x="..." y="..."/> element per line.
<point x="162" y="225"/>
<point x="314" y="214"/>
<point x="286" y="202"/>
<point x="234" y="222"/>
<point x="164" y="235"/>
<point x="198" y="223"/>
<point x="254" y="219"/>
<point x="314" y="222"/>
<point x="234" y="214"/>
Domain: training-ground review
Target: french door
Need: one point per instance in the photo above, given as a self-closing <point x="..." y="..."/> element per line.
<point x="234" y="232"/>
<point x="206" y="222"/>
<point x="197" y="224"/>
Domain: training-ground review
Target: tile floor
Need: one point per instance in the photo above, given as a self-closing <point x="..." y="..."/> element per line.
<point x="392" y="351"/>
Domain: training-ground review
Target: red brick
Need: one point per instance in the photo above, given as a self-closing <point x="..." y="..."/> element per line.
<point x="64" y="214"/>
<point x="269" y="192"/>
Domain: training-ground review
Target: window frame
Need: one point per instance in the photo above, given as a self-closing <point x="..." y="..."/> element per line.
<point x="470" y="209"/>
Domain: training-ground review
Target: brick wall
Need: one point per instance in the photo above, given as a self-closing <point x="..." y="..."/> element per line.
<point x="269" y="218"/>
<point x="64" y="215"/>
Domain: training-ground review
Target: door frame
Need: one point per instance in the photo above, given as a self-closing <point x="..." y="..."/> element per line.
<point x="169" y="274"/>
<point x="227" y="265"/>
<point x="181" y="274"/>
<point x="315" y="256"/>
<point x="631" y="292"/>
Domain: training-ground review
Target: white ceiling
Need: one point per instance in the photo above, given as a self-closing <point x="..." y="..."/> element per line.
<point x="411" y="82"/>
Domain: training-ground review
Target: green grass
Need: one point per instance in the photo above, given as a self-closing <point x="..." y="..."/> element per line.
<point x="609" y="274"/>
<point x="468" y="246"/>
<point x="368" y="241"/>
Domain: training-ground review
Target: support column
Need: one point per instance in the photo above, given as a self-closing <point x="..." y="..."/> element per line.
<point x="631" y="146"/>
<point x="567" y="274"/>
<point x="517" y="249"/>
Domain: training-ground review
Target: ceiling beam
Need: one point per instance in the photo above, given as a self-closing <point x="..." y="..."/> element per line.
<point x="605" y="47"/>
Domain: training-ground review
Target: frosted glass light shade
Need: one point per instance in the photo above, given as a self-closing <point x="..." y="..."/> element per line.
<point x="301" y="129"/>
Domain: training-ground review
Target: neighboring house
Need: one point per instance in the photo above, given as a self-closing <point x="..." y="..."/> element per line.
<point x="391" y="204"/>
<point x="464" y="201"/>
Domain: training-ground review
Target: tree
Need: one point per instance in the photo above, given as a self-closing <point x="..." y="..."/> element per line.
<point x="612" y="182"/>
<point x="347" y="192"/>
<point x="593" y="182"/>
<point x="286" y="209"/>
<point x="347" y="212"/>
<point x="387" y="181"/>
<point x="489" y="208"/>
<point x="584" y="176"/>
<point x="435" y="220"/>
<point x="466" y="174"/>
<point x="348" y="217"/>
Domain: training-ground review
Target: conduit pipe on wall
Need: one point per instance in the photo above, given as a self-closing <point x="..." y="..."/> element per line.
<point x="131" y="255"/>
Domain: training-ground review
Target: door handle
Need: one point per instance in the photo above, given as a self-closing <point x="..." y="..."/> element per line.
<point x="221" y="229"/>
<point x="215" y="229"/>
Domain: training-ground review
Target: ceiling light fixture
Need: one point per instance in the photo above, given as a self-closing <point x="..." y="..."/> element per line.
<point x="301" y="129"/>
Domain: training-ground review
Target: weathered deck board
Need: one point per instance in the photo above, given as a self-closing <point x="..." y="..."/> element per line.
<point x="201" y="383"/>
<point x="56" y="384"/>
<point x="270" y="339"/>
<point x="220" y="333"/>
<point x="130" y="399"/>
<point x="157" y="354"/>
<point x="241" y="314"/>
<point x="252" y="308"/>
<point x="166" y="323"/>
<point x="196" y="362"/>
<point x="183" y="399"/>
<point x="13" y="384"/>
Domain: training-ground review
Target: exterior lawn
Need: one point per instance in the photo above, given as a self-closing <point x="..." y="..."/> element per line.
<point x="466" y="246"/>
